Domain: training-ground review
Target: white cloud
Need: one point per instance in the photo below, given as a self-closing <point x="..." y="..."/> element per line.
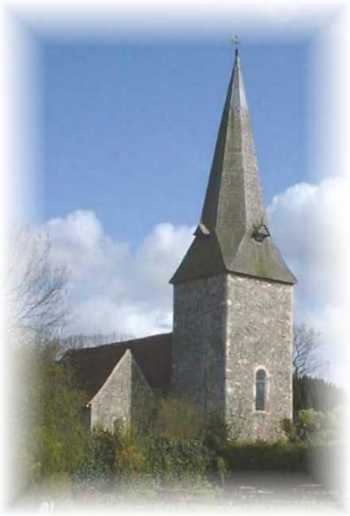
<point x="112" y="288"/>
<point x="308" y="223"/>
<point x="117" y="290"/>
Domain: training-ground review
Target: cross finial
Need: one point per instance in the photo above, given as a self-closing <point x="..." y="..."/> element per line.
<point x="235" y="41"/>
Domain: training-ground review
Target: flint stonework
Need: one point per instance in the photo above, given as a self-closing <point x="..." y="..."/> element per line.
<point x="199" y="343"/>
<point x="225" y="328"/>
<point x="124" y="399"/>
<point x="259" y="330"/>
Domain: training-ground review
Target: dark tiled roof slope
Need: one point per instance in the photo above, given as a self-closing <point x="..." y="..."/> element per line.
<point x="92" y="366"/>
<point x="233" y="234"/>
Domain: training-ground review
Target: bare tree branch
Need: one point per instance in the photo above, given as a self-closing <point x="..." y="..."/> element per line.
<point x="36" y="288"/>
<point x="307" y="359"/>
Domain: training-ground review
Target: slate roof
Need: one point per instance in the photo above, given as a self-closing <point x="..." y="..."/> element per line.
<point x="92" y="366"/>
<point x="233" y="234"/>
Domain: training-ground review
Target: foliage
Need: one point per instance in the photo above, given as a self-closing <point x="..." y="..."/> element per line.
<point x="178" y="419"/>
<point x="181" y="449"/>
<point x="99" y="457"/>
<point x="289" y="429"/>
<point x="173" y="451"/>
<point x="131" y="456"/>
<point x="129" y="453"/>
<point x="308" y="422"/>
<point x="222" y="469"/>
<point x="170" y="459"/>
<point x="57" y="439"/>
<point x="216" y="431"/>
<point x="315" y="393"/>
<point x="260" y="455"/>
<point x="314" y="428"/>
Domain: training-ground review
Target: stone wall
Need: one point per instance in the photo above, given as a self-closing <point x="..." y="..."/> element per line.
<point x="125" y="397"/>
<point x="198" y="342"/>
<point x="259" y="335"/>
<point x="142" y="399"/>
<point x="225" y="328"/>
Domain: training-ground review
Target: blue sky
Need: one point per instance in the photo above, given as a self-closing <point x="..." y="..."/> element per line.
<point x="127" y="133"/>
<point x="128" y="130"/>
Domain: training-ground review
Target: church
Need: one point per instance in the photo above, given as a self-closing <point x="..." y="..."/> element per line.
<point x="230" y="351"/>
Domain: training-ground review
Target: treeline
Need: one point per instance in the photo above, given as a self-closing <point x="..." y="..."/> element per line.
<point x="316" y="393"/>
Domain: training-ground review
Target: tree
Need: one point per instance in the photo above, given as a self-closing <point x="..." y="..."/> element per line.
<point x="60" y="436"/>
<point x="309" y="391"/>
<point x="36" y="287"/>
<point x="35" y="294"/>
<point x="316" y="393"/>
<point x="52" y="437"/>
<point x="307" y="359"/>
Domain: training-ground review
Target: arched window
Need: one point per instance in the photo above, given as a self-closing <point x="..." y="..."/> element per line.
<point x="260" y="389"/>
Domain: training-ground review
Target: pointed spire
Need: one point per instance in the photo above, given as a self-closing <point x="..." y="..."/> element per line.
<point x="238" y="98"/>
<point x="233" y="232"/>
<point x="234" y="196"/>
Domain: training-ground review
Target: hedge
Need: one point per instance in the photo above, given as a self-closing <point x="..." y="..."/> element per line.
<point x="261" y="455"/>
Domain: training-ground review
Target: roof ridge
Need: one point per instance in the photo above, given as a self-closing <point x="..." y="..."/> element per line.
<point x="118" y="343"/>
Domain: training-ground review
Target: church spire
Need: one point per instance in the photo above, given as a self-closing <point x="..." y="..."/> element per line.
<point x="233" y="233"/>
<point x="234" y="200"/>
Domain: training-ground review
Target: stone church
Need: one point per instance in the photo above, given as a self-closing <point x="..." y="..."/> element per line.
<point x="230" y="351"/>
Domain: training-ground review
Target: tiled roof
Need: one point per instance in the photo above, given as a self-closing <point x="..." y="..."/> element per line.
<point x="92" y="366"/>
<point x="233" y="234"/>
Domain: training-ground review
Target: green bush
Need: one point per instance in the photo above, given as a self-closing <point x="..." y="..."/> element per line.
<point x="320" y="428"/>
<point x="261" y="455"/>
<point x="129" y="454"/>
<point x="59" y="435"/>
<point x="316" y="428"/>
<point x="178" y="419"/>
<point x="307" y="422"/>
<point x="215" y="432"/>
<point x="181" y="447"/>
<point x="99" y="462"/>
<point x="290" y="430"/>
<point x="222" y="469"/>
<point x="171" y="459"/>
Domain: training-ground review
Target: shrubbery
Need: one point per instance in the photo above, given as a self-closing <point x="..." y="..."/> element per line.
<point x="260" y="455"/>
<point x="54" y="438"/>
<point x="314" y="428"/>
<point x="99" y="460"/>
<point x="168" y="453"/>
<point x="181" y="448"/>
<point x="174" y="460"/>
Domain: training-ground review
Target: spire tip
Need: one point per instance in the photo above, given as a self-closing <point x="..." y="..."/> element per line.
<point x="236" y="44"/>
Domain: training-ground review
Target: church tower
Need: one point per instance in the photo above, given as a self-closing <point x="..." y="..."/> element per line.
<point x="233" y="292"/>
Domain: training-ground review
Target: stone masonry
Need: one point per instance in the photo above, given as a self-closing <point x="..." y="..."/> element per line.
<point x="199" y="343"/>
<point x="258" y="335"/>
<point x="125" y="398"/>
<point x="225" y="328"/>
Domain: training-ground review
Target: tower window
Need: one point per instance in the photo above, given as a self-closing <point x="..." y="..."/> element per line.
<point x="260" y="389"/>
